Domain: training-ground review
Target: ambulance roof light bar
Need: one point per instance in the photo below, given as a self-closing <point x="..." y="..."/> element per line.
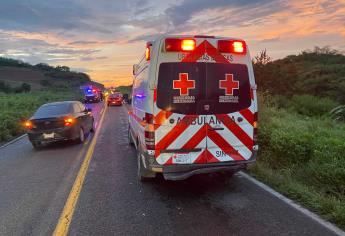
<point x="178" y="45"/>
<point x="232" y="46"/>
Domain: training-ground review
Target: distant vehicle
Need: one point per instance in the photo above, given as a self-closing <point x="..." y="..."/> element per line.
<point x="126" y="97"/>
<point x="194" y="107"/>
<point x="92" y="94"/>
<point x="115" y="99"/>
<point x="69" y="120"/>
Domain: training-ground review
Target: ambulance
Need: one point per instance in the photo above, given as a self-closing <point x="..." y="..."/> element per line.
<point x="194" y="107"/>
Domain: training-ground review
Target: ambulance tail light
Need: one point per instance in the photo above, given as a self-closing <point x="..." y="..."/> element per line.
<point x="178" y="45"/>
<point x="255" y="126"/>
<point x="232" y="46"/>
<point x="149" y="132"/>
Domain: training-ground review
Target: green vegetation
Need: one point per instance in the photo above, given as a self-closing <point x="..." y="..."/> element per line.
<point x="124" y="89"/>
<point x="15" y="108"/>
<point x="6" y="88"/>
<point x="301" y="142"/>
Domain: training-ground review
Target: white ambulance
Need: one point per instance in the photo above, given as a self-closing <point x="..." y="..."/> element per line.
<point x="194" y="107"/>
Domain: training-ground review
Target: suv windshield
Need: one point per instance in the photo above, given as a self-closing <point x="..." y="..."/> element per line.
<point x="203" y="88"/>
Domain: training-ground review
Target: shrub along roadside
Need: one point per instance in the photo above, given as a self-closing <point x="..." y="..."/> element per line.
<point x="15" y="108"/>
<point x="302" y="156"/>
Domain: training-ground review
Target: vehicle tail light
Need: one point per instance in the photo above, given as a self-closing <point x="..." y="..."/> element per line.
<point x="232" y="46"/>
<point x="69" y="121"/>
<point x="149" y="132"/>
<point x="28" y="125"/>
<point x="148" y="51"/>
<point x="177" y="45"/>
<point x="255" y="126"/>
<point x="188" y="44"/>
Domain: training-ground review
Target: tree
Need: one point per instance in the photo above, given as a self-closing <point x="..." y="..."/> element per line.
<point x="63" y="68"/>
<point x="262" y="58"/>
<point x="26" y="87"/>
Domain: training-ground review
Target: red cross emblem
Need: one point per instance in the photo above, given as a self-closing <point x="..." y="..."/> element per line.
<point x="183" y="84"/>
<point x="229" y="84"/>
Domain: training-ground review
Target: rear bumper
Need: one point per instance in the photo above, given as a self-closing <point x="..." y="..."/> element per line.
<point x="91" y="99"/>
<point x="59" y="135"/>
<point x="184" y="171"/>
<point x="114" y="103"/>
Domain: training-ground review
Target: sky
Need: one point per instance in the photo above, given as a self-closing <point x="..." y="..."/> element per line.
<point x="104" y="38"/>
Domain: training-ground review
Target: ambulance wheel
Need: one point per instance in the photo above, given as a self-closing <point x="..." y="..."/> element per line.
<point x="143" y="174"/>
<point x="130" y="139"/>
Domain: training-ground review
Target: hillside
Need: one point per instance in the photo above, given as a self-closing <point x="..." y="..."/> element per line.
<point x="319" y="72"/>
<point x="124" y="89"/>
<point x="13" y="73"/>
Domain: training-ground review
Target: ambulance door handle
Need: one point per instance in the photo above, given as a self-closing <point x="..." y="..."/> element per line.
<point x="216" y="128"/>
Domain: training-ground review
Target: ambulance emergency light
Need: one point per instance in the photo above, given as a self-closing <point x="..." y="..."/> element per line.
<point x="187" y="45"/>
<point x="177" y="45"/>
<point x="232" y="46"/>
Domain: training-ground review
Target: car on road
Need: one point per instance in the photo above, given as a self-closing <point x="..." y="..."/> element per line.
<point x="68" y="120"/>
<point x="92" y="94"/>
<point x="115" y="99"/>
<point x="194" y="107"/>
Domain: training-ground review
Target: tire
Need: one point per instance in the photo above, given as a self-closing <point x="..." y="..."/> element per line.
<point x="92" y="130"/>
<point x="144" y="175"/>
<point x="130" y="139"/>
<point x="81" y="137"/>
<point x="37" y="145"/>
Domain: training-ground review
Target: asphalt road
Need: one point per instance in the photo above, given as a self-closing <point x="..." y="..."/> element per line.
<point x="34" y="186"/>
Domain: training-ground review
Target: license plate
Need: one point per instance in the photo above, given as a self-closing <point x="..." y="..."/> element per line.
<point x="181" y="158"/>
<point x="48" y="136"/>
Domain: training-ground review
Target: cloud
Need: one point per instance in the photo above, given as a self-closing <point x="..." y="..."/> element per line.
<point x="180" y="14"/>
<point x="71" y="51"/>
<point x="93" y="58"/>
<point x="269" y="40"/>
<point x="107" y="37"/>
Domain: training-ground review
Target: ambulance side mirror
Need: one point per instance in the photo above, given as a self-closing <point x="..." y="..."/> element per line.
<point x="135" y="68"/>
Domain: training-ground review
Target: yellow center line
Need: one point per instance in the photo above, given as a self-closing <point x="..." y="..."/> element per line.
<point x="68" y="210"/>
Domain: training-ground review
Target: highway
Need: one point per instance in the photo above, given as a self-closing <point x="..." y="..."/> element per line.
<point x="35" y="186"/>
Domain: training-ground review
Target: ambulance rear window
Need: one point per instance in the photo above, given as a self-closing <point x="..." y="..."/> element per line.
<point x="203" y="88"/>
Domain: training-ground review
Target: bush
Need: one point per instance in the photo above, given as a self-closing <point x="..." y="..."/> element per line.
<point x="312" y="106"/>
<point x="303" y="155"/>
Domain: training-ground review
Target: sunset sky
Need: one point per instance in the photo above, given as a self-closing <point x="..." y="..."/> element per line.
<point x="105" y="38"/>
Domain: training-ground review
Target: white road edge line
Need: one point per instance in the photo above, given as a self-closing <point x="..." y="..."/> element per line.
<point x="294" y="205"/>
<point x="13" y="141"/>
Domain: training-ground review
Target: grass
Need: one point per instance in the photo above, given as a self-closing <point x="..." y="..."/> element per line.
<point x="302" y="155"/>
<point x="16" y="108"/>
